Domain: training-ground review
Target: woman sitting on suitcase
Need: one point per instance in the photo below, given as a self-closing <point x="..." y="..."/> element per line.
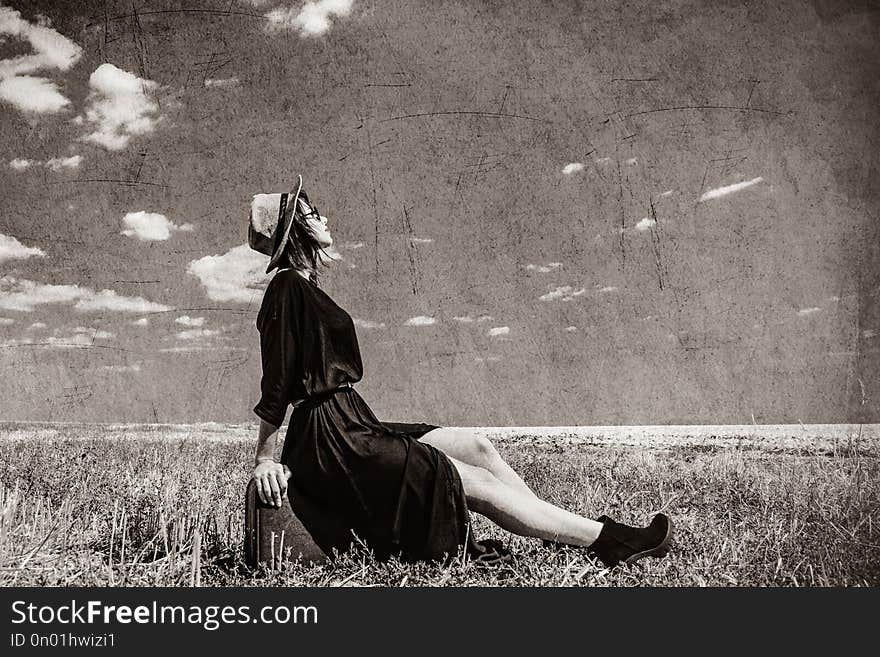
<point x="403" y="489"/>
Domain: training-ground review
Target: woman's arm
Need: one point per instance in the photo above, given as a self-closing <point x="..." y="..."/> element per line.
<point x="271" y="476"/>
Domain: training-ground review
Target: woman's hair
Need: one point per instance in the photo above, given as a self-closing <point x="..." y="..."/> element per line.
<point x="301" y="250"/>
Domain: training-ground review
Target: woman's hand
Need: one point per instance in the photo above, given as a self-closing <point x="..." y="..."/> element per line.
<point x="271" y="478"/>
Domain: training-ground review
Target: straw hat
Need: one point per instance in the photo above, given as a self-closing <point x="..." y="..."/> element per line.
<point x="271" y="218"/>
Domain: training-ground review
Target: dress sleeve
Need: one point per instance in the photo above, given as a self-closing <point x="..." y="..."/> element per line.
<point x="278" y="349"/>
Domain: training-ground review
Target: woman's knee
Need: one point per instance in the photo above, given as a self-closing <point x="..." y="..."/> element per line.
<point x="482" y="451"/>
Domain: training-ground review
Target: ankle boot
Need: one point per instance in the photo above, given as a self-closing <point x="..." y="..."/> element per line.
<point x="618" y="542"/>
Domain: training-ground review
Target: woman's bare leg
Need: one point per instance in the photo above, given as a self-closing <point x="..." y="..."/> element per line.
<point x="475" y="450"/>
<point x="521" y="512"/>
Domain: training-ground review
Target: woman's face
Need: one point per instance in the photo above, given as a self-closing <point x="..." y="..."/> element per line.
<point x="316" y="223"/>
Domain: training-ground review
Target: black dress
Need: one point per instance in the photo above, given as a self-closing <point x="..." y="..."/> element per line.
<point x="353" y="475"/>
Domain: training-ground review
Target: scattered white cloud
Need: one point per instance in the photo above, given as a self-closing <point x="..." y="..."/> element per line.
<point x="20" y="164"/>
<point x="572" y="167"/>
<point x="646" y="223"/>
<point x="186" y="320"/>
<point x="668" y="192"/>
<point x="804" y="312"/>
<point x="11" y="248"/>
<point x="571" y="329"/>
<point x="143" y="321"/>
<point x="51" y="50"/>
<point x="869" y="333"/>
<point x="6" y="321"/>
<point x="632" y="160"/>
<point x="222" y="82"/>
<point x="110" y="300"/>
<point x="37" y="325"/>
<point x="543" y="269"/>
<point x="57" y="163"/>
<point x="313" y="18"/>
<point x="607" y="289"/>
<point x="134" y="367"/>
<point x="54" y="163"/>
<point x="421" y="240"/>
<point x="498" y="331"/>
<point x="352" y="245"/>
<point x="464" y="319"/>
<point x="119" y="107"/>
<point x="150" y="226"/>
<point x="237" y="275"/>
<point x="420" y="320"/>
<point x="367" y="324"/>
<point x="564" y="292"/>
<point x="94" y="333"/>
<point x="24" y="296"/>
<point x="729" y="189"/>
<point x="196" y="334"/>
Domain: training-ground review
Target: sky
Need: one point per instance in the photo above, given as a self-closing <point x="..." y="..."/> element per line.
<point x="583" y="213"/>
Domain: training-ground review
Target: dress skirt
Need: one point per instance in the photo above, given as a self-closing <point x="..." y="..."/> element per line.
<point x="357" y="479"/>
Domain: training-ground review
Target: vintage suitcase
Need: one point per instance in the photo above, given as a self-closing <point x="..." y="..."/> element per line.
<point x="273" y="535"/>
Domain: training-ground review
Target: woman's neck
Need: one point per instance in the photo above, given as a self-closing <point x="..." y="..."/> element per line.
<point x="305" y="273"/>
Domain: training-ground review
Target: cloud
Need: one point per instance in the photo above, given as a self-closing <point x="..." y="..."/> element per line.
<point x="37" y="325"/>
<point x="543" y="269"/>
<point x="223" y="82"/>
<point x="313" y="18"/>
<point x="352" y="245"/>
<point x="11" y="248"/>
<point x="237" y="275"/>
<point x="632" y="160"/>
<point x="421" y="240"/>
<point x="668" y="192"/>
<point x="804" y="312"/>
<point x="52" y="50"/>
<point x="367" y="324"/>
<point x="498" y="331"/>
<point x="5" y="321"/>
<point x="869" y="333"/>
<point x="603" y="160"/>
<point x="485" y="318"/>
<point x="119" y="107"/>
<point x="572" y="167"/>
<point x="25" y="295"/>
<point x="646" y="223"/>
<point x="186" y="320"/>
<point x="54" y="163"/>
<point x="151" y="226"/>
<point x="143" y="321"/>
<point x="464" y="319"/>
<point x="729" y="189"/>
<point x="94" y="333"/>
<point x="564" y="292"/>
<point x="196" y="334"/>
<point x="420" y="320"/>
<point x="134" y="367"/>
<point x="571" y="329"/>
<point x="110" y="300"/>
<point x="57" y="163"/>
<point x="20" y="164"/>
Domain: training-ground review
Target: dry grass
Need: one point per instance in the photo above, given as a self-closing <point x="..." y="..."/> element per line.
<point x="80" y="509"/>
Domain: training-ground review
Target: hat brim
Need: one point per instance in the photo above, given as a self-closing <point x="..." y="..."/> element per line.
<point x="289" y="210"/>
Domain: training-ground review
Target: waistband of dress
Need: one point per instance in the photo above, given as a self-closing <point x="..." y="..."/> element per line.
<point x="316" y="400"/>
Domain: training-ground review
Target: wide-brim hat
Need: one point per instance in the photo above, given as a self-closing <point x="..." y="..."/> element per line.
<point x="271" y="218"/>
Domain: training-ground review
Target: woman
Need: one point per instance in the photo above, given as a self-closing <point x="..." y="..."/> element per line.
<point x="402" y="489"/>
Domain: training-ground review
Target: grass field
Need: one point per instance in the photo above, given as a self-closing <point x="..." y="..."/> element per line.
<point x="162" y="506"/>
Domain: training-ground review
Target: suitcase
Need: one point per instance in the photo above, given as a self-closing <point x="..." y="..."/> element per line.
<point x="274" y="535"/>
